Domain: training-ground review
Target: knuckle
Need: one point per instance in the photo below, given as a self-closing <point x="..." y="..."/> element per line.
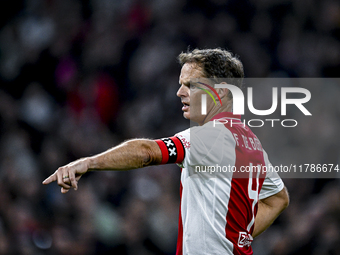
<point x="60" y="168"/>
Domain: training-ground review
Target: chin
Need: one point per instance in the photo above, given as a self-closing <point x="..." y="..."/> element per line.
<point x="186" y="115"/>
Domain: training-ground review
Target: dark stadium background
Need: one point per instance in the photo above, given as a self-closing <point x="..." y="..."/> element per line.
<point x="78" y="77"/>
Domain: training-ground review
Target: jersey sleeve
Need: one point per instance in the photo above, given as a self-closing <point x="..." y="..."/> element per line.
<point x="172" y="150"/>
<point x="204" y="145"/>
<point x="184" y="137"/>
<point x="272" y="183"/>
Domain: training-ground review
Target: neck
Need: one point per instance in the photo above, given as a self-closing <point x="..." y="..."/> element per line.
<point x="226" y="107"/>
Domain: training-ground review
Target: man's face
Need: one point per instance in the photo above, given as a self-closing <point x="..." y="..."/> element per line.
<point x="191" y="95"/>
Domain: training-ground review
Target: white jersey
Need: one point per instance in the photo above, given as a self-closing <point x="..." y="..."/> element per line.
<point x="218" y="200"/>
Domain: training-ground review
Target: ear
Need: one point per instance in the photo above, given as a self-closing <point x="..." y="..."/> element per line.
<point x="222" y="92"/>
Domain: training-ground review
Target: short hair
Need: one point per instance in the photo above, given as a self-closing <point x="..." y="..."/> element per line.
<point x="216" y="63"/>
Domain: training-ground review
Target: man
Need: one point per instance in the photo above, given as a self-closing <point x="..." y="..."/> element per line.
<point x="219" y="214"/>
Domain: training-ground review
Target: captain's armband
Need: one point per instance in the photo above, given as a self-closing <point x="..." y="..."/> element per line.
<point x="172" y="150"/>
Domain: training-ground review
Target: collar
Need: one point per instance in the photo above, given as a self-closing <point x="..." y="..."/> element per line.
<point x="229" y="115"/>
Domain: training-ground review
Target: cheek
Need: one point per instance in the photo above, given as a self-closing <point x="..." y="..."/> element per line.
<point x="195" y="97"/>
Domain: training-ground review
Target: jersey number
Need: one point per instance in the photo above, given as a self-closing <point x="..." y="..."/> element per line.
<point x="253" y="194"/>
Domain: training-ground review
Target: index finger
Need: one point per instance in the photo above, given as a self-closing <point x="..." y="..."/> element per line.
<point x="50" y="179"/>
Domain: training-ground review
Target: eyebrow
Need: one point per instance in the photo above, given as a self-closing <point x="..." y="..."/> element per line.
<point x="184" y="83"/>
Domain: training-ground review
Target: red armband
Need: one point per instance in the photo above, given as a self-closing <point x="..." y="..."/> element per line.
<point x="172" y="150"/>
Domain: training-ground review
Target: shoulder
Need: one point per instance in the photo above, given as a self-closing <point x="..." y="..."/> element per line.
<point x="184" y="136"/>
<point x="209" y="133"/>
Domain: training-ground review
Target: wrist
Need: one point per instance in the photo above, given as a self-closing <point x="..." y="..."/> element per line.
<point x="90" y="162"/>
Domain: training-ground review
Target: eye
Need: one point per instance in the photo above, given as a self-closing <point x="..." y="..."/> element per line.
<point x="192" y="86"/>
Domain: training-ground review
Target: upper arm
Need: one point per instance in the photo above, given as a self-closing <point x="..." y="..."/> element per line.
<point x="170" y="150"/>
<point x="272" y="184"/>
<point x="269" y="209"/>
<point x="279" y="200"/>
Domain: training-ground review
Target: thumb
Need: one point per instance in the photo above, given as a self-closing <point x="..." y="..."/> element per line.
<point x="63" y="190"/>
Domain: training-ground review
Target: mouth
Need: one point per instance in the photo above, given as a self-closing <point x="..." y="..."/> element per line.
<point x="185" y="106"/>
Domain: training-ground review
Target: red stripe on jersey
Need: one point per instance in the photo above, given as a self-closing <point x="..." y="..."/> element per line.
<point x="180" y="149"/>
<point x="164" y="150"/>
<point x="238" y="215"/>
<point x="179" y="247"/>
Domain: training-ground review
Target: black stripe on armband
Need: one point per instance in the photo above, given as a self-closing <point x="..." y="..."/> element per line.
<point x="172" y="150"/>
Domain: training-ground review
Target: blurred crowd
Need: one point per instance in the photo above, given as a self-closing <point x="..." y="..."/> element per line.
<point x="78" y="77"/>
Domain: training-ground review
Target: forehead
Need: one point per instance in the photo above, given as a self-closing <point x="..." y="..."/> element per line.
<point x="190" y="71"/>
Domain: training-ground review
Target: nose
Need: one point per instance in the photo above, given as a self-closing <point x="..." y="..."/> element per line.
<point x="183" y="91"/>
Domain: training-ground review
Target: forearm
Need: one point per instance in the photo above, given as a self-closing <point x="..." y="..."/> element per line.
<point x="268" y="210"/>
<point x="129" y="155"/>
<point x="132" y="154"/>
<point x="264" y="218"/>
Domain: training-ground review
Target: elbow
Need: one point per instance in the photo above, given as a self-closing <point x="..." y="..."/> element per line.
<point x="146" y="159"/>
<point x="147" y="156"/>
<point x="285" y="199"/>
<point x="138" y="153"/>
<point x="285" y="204"/>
